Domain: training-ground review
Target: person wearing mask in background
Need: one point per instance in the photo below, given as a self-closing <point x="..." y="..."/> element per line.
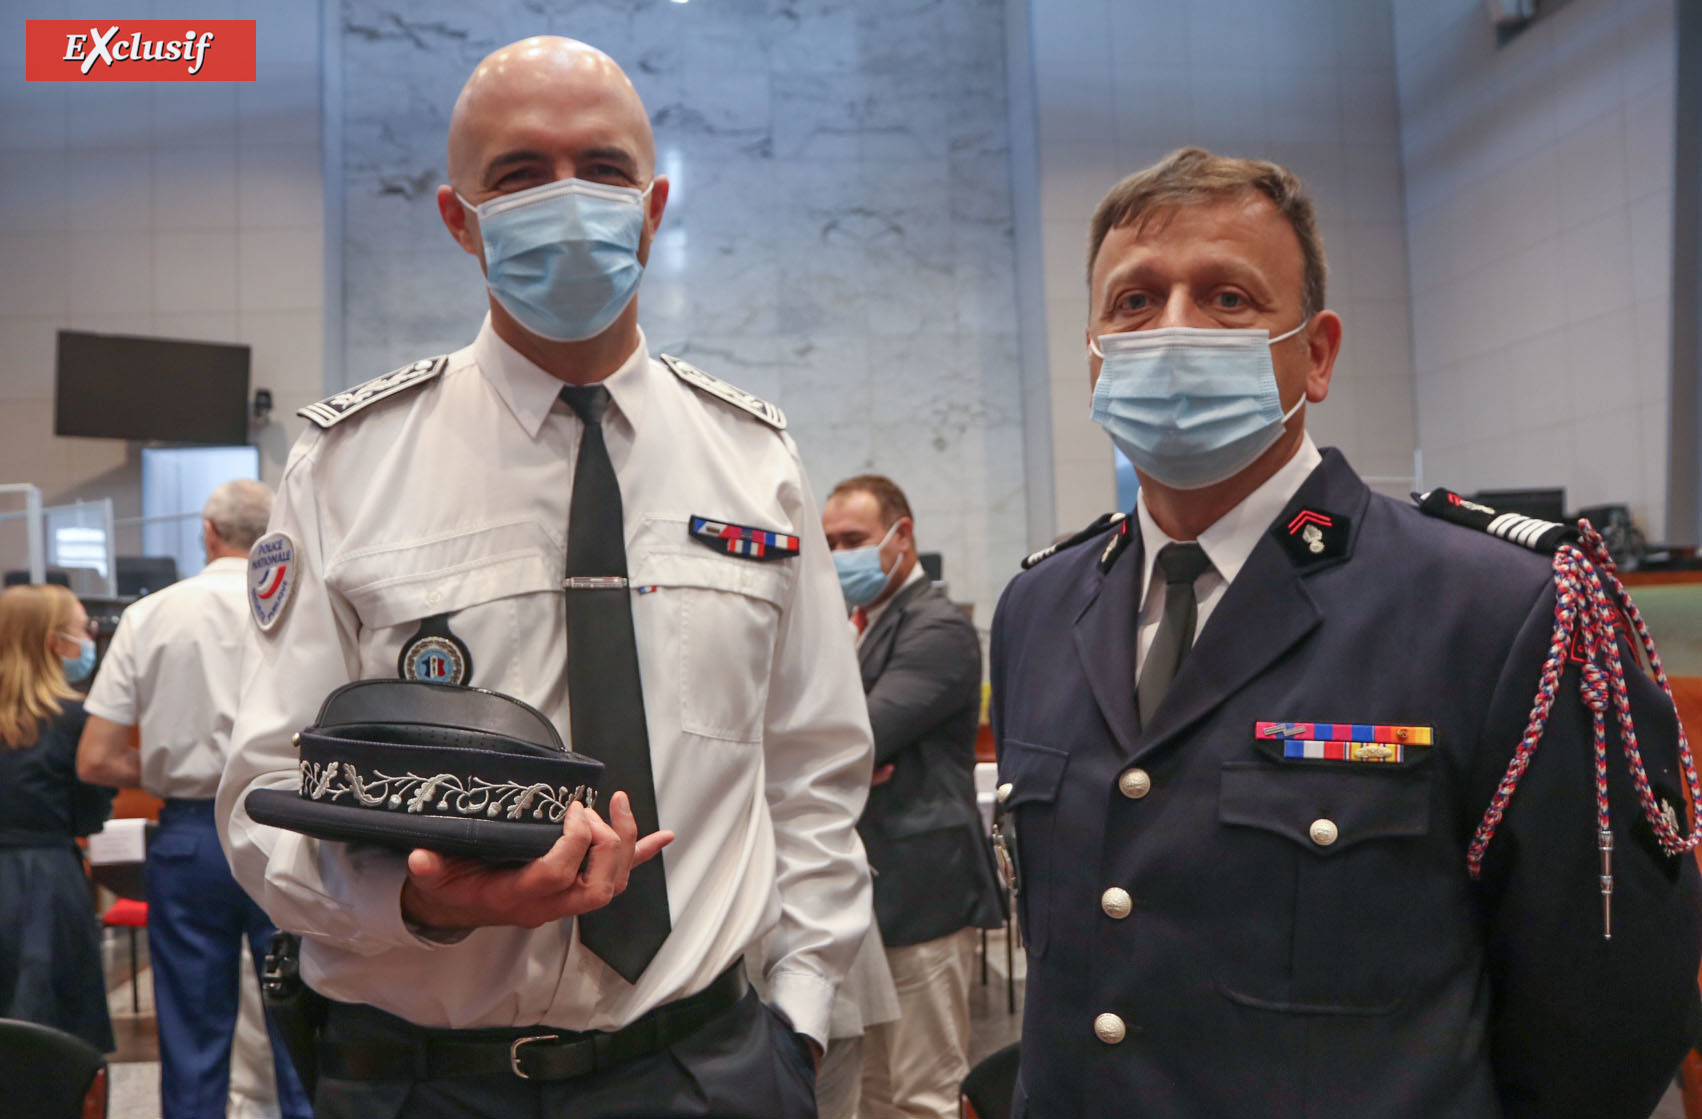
<point x="934" y="881"/>
<point x="1246" y="734"/>
<point x="50" y="962"/>
<point x="168" y="684"/>
<point x="630" y="546"/>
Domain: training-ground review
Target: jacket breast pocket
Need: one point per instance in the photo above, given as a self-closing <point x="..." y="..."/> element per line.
<point x="719" y="615"/>
<point x="1035" y="774"/>
<point x="494" y="588"/>
<point x="1326" y="867"/>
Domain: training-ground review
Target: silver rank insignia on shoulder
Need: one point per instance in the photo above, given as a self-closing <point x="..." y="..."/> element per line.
<point x="714" y="386"/>
<point x="1105" y="521"/>
<point x="335" y="409"/>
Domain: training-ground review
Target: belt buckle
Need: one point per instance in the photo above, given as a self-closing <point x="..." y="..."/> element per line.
<point x="514" y="1052"/>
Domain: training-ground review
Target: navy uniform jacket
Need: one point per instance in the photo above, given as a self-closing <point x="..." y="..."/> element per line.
<point x="1261" y="973"/>
<point x="921" y="665"/>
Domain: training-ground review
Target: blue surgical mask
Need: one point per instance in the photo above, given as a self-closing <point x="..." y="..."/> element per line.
<point x="1190" y="407"/>
<point x="79" y="666"/>
<point x="562" y="258"/>
<point x="861" y="577"/>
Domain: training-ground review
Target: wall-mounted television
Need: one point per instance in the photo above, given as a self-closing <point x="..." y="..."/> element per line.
<point x="120" y="386"/>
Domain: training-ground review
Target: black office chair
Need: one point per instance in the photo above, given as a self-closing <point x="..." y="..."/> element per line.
<point x="49" y="1074"/>
<point x="986" y="1092"/>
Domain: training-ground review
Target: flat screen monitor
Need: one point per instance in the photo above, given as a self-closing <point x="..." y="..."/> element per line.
<point x="140" y="575"/>
<point x="120" y="386"/>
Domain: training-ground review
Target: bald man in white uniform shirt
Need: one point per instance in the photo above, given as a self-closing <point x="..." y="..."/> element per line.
<point x="423" y="523"/>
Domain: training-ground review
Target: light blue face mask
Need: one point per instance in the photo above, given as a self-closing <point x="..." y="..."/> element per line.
<point x="861" y="578"/>
<point x="1190" y="407"/>
<point x="79" y="666"/>
<point x="562" y="258"/>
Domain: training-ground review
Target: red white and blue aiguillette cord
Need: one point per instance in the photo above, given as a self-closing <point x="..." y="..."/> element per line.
<point x="1584" y="612"/>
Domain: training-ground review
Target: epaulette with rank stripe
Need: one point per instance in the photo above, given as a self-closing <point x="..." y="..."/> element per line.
<point x="1105" y="521"/>
<point x="1537" y="535"/>
<point x="336" y="409"/>
<point x="720" y="389"/>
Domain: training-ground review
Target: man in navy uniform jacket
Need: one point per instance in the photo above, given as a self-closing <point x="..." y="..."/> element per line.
<point x="1242" y="859"/>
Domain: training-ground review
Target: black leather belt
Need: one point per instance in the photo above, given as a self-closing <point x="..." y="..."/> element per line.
<point x="530" y="1053"/>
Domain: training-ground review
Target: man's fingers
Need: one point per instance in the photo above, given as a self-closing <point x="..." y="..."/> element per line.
<point x="427" y="867"/>
<point x="650" y="846"/>
<point x="557" y="869"/>
<point x="622" y="819"/>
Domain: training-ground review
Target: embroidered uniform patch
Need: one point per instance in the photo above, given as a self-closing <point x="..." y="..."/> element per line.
<point x="434" y="655"/>
<point x="271" y="578"/>
<point x="1312" y="535"/>
<point x="743" y="540"/>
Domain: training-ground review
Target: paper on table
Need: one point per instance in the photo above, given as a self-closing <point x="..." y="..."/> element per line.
<point x="121" y="841"/>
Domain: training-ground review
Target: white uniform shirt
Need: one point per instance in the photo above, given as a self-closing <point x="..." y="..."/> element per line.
<point x="1227" y="543"/>
<point x="452" y="498"/>
<point x="172" y="671"/>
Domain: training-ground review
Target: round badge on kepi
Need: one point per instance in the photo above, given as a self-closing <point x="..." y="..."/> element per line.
<point x="271" y="577"/>
<point x="405" y="764"/>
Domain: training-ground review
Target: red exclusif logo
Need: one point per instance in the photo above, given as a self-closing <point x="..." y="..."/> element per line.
<point x="139" y="50"/>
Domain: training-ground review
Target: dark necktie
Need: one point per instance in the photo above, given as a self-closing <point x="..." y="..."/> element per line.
<point x="603" y="688"/>
<point x="1181" y="564"/>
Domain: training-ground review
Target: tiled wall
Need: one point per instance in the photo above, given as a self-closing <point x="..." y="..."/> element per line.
<point x="1539" y="209"/>
<point x="1309" y="83"/>
<point x="838" y="239"/>
<point x="183" y="209"/>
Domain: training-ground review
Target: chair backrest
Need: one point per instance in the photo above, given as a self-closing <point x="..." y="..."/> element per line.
<point x="49" y="1074"/>
<point x="988" y="1088"/>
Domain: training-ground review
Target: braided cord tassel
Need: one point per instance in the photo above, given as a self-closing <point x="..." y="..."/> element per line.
<point x="1588" y="594"/>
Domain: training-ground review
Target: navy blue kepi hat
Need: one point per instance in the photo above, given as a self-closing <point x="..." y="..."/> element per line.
<point x="405" y="764"/>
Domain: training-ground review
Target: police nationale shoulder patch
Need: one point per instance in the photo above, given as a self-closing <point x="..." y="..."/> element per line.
<point x="335" y="409"/>
<point x="720" y="389"/>
<point x="271" y="578"/>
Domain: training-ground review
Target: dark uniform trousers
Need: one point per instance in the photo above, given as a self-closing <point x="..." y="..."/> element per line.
<point x="1299" y="939"/>
<point x="197" y="919"/>
<point x="745" y="1063"/>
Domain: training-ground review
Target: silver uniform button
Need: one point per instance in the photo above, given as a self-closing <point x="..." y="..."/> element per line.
<point x="1135" y="783"/>
<point x="1110" y="1029"/>
<point x="1324" y="832"/>
<point x="1004" y="792"/>
<point x="1116" y="902"/>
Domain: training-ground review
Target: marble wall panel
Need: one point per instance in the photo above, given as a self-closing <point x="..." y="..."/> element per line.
<point x="838" y="238"/>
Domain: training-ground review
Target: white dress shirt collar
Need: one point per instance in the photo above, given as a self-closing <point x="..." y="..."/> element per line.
<point x="873" y="613"/>
<point x="531" y="393"/>
<point x="1232" y="537"/>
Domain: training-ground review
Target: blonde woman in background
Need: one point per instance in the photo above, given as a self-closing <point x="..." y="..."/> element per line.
<point x="50" y="963"/>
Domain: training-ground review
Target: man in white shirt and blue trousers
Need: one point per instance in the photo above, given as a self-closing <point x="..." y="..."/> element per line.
<point x="554" y="486"/>
<point x="169" y="682"/>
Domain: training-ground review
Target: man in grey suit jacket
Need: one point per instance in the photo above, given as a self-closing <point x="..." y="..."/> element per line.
<point x="934" y="884"/>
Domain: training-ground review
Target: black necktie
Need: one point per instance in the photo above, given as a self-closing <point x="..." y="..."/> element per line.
<point x="1181" y="564"/>
<point x="603" y="688"/>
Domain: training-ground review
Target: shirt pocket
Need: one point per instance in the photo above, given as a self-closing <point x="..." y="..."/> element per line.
<point x="484" y="580"/>
<point x="1328" y="865"/>
<point x="1035" y="773"/>
<point x="719" y="614"/>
